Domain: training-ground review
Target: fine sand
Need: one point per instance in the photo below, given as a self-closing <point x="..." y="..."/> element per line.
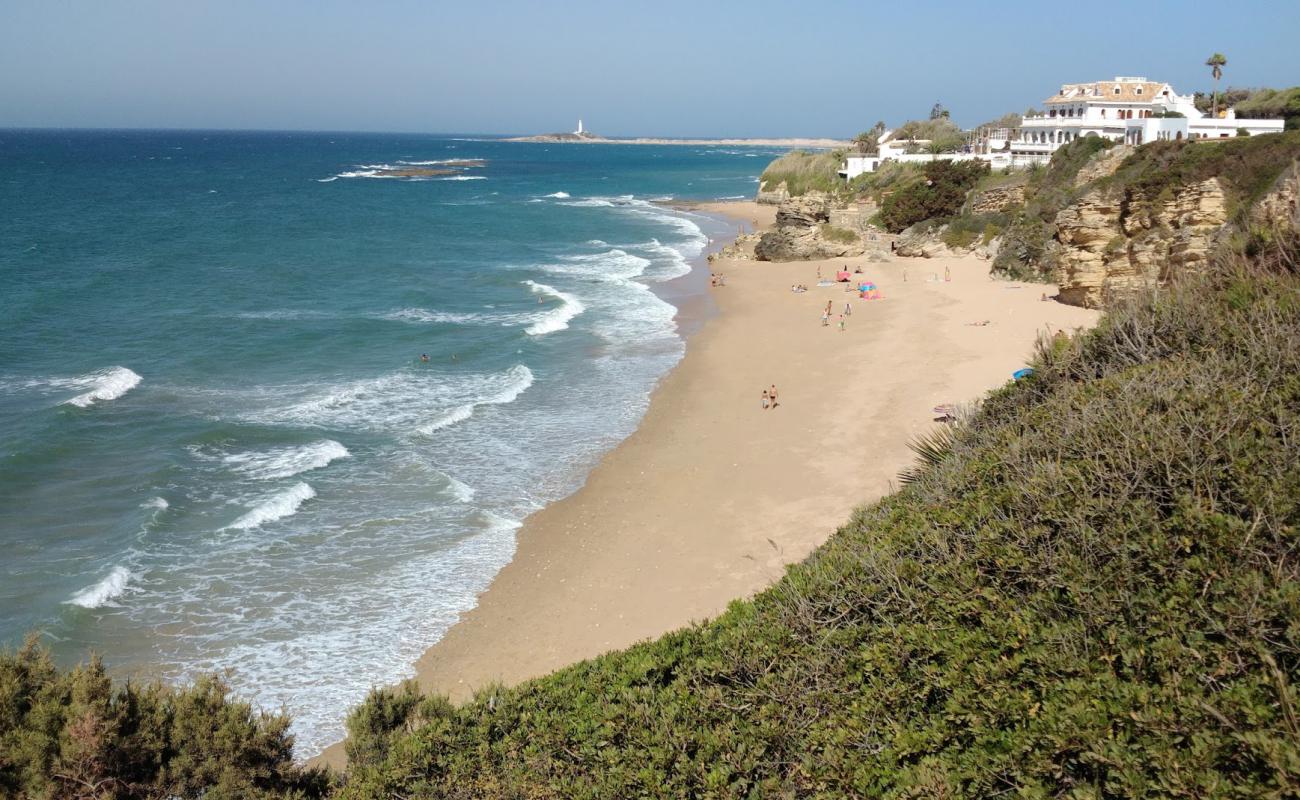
<point x="713" y="496"/>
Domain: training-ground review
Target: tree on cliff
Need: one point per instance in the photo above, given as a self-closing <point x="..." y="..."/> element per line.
<point x="1216" y="63"/>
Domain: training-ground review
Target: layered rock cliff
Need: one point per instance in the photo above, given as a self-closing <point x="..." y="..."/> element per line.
<point x="803" y="232"/>
<point x="1114" y="241"/>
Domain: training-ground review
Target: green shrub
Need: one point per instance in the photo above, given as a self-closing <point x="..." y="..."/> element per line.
<point x="803" y="171"/>
<point x="840" y="235"/>
<point x="938" y="195"/>
<point x="73" y="734"/>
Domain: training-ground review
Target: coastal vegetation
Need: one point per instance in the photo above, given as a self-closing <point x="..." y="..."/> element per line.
<point x="803" y="171"/>
<point x="75" y="734"/>
<point x="936" y="192"/>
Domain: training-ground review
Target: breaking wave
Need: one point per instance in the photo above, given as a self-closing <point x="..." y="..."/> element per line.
<point x="104" y="591"/>
<point x="106" y="384"/>
<point x="557" y="319"/>
<point x="283" y="462"/>
<point x="277" y="506"/>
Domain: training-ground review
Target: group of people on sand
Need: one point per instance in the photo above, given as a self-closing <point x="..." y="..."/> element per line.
<point x="798" y="288"/>
<point x="826" y="315"/>
<point x="769" y="398"/>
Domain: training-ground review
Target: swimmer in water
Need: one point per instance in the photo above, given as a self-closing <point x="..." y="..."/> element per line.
<point x="424" y="357"/>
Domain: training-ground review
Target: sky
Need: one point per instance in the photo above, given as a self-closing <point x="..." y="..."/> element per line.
<point x="628" y="68"/>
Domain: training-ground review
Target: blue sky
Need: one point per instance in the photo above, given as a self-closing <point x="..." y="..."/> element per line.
<point x="702" y="68"/>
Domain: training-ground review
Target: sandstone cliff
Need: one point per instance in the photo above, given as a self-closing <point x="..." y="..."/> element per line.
<point x="803" y="232"/>
<point x="1112" y="241"/>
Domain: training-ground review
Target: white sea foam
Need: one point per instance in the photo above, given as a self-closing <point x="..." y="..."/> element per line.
<point x="105" y="591"/>
<point x="500" y="390"/>
<point x="283" y="462"/>
<point x="558" y="195"/>
<point x="277" y="506"/>
<point x="327" y="180"/>
<point x="464" y="178"/>
<point x="441" y="161"/>
<point x="106" y="384"/>
<point x="556" y="319"/>
<point x="156" y="503"/>
<point x="459" y="490"/>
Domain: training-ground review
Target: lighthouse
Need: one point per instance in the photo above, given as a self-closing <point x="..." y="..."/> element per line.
<point x="579" y="131"/>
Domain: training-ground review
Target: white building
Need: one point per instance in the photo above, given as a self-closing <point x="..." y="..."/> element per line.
<point x="1130" y="110"/>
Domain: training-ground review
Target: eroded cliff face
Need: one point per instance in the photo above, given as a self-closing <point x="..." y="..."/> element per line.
<point x="1111" y="242"/>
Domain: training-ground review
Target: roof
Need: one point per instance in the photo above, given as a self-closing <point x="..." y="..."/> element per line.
<point x="1105" y="91"/>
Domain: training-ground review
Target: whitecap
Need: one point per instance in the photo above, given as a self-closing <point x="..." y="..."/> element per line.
<point x="465" y="178"/>
<point x="558" y="195"/>
<point x="461" y="491"/>
<point x="504" y="389"/>
<point x="283" y="462"/>
<point x="557" y="319"/>
<point x="108" y="384"/>
<point x="104" y="591"/>
<point x="277" y="506"/>
<point x="156" y="503"/>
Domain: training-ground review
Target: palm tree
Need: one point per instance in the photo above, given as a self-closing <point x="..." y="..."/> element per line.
<point x="1216" y="63"/>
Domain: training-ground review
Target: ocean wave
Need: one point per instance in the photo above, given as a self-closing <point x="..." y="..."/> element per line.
<point x="556" y="319"/>
<point x="402" y="401"/>
<point x="105" y="384"/>
<point x="613" y="265"/>
<point x="330" y="179"/>
<point x="459" y="490"/>
<point x="104" y="591"/>
<point x="283" y="462"/>
<point x="464" y="178"/>
<point x="424" y="315"/>
<point x="156" y="503"/>
<point x="278" y="506"/>
<point x="506" y="389"/>
<point x="558" y="195"/>
<point x="434" y="162"/>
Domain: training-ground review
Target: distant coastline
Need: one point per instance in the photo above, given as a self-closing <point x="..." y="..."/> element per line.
<point x="588" y="138"/>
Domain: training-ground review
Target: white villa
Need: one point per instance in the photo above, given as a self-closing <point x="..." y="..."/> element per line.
<point x="1129" y="110"/>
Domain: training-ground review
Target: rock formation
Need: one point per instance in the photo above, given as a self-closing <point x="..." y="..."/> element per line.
<point x="998" y="198"/>
<point x="800" y="233"/>
<point x="1110" y="242"/>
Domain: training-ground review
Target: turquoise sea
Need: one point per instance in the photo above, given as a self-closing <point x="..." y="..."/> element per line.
<point x="219" y="445"/>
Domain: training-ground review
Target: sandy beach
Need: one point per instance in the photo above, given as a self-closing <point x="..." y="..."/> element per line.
<point x="713" y="496"/>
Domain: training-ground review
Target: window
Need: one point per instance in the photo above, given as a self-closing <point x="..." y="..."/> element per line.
<point x="1138" y="90"/>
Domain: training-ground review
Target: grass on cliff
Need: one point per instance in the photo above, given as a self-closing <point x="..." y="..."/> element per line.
<point x="1091" y="589"/>
<point x="804" y="171"/>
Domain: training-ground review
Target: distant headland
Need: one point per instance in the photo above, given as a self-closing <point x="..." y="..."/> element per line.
<point x="583" y="136"/>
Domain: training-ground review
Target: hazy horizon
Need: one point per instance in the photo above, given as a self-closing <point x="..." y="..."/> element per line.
<point x="758" y="69"/>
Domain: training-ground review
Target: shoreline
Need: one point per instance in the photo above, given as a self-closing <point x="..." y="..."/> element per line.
<point x="711" y="497"/>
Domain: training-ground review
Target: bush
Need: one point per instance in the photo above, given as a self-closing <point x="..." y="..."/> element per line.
<point x="833" y="234"/>
<point x="939" y="195"/>
<point x="803" y="171"/>
<point x="1090" y="590"/>
<point x="73" y="734"/>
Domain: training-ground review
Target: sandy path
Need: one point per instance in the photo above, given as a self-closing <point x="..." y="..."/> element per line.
<point x="712" y="496"/>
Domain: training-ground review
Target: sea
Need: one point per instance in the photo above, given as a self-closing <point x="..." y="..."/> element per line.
<point x="275" y="404"/>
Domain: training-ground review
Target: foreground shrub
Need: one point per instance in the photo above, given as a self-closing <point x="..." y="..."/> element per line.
<point x="72" y="734"/>
<point x="803" y="171"/>
<point x="1092" y="590"/>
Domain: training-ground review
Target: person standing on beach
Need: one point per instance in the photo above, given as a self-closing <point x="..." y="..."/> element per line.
<point x="771" y="394"/>
<point x="828" y="306"/>
<point x="764" y="399"/>
<point x="841" y="323"/>
<point x="848" y="309"/>
<point x="826" y="318"/>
